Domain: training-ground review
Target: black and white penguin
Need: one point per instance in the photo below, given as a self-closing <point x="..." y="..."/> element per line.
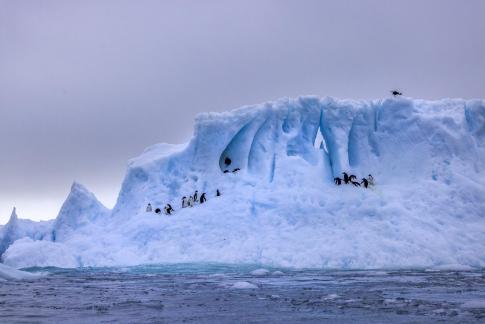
<point x="352" y="177"/>
<point x="236" y="170"/>
<point x="158" y="211"/>
<point x="355" y="183"/>
<point x="226" y="171"/>
<point x="227" y="161"/>
<point x="196" y="196"/>
<point x="149" y="208"/>
<point x="337" y="181"/>
<point x="365" y="182"/>
<point x="396" y="93"/>
<point x="184" y="203"/>
<point x="346" y="178"/>
<point x="169" y="209"/>
<point x="370" y="179"/>
<point x="202" y="198"/>
<point x="218" y="193"/>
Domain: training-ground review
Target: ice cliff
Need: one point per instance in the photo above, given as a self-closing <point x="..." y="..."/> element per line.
<point x="282" y="208"/>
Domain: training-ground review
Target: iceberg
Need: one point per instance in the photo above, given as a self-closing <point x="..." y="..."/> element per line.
<point x="274" y="165"/>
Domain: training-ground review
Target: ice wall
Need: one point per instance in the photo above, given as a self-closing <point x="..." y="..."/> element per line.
<point x="399" y="141"/>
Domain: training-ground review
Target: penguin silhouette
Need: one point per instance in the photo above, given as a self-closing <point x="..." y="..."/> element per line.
<point x="346" y="178"/>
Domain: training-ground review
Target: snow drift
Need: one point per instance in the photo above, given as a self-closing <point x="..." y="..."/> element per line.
<point x="281" y="208"/>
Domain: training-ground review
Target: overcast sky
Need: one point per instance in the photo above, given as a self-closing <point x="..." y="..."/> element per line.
<point x="86" y="85"/>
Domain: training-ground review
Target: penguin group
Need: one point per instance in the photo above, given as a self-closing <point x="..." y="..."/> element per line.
<point x="351" y="179"/>
<point x="192" y="200"/>
<point x="189" y="201"/>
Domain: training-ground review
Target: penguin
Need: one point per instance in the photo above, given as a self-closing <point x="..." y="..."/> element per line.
<point x="227" y="161"/>
<point x="337" y="181"/>
<point x="370" y="179"/>
<point x="184" y="203"/>
<point x="396" y="93"/>
<point x="202" y="198"/>
<point x="218" y="193"/>
<point x="191" y="201"/>
<point x="365" y="182"/>
<point x="346" y="178"/>
<point x="149" y="208"/>
<point x="352" y="177"/>
<point x="226" y="171"/>
<point x="235" y="170"/>
<point x="166" y="210"/>
<point x="196" y="196"/>
<point x="158" y="211"/>
<point x="355" y="183"/>
<point x="170" y="209"/>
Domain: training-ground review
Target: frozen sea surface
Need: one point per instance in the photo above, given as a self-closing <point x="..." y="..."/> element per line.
<point x="229" y="294"/>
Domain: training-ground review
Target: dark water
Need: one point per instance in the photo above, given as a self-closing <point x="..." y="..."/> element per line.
<point x="205" y="294"/>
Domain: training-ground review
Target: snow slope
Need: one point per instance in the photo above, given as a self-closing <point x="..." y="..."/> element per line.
<point x="282" y="208"/>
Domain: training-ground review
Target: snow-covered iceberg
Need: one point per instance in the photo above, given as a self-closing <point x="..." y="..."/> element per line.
<point x="282" y="208"/>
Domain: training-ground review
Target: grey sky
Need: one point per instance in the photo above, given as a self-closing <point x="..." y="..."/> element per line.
<point x="86" y="85"/>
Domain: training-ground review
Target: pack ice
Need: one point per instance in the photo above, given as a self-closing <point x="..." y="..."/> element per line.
<point x="427" y="208"/>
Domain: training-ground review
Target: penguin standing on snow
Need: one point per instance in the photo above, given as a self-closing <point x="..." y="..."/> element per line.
<point x="168" y="209"/>
<point x="149" y="208"/>
<point x="346" y="178"/>
<point x="352" y="178"/>
<point x="365" y="182"/>
<point x="158" y="211"/>
<point x="195" y="196"/>
<point x="218" y="193"/>
<point x="337" y="181"/>
<point x="202" y="198"/>
<point x="370" y="180"/>
<point x="191" y="201"/>
<point x="184" y="203"/>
